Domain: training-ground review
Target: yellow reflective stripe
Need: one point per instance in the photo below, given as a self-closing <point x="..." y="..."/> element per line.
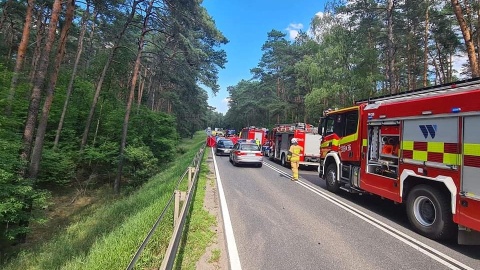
<point x="435" y="147"/>
<point x="349" y="138"/>
<point x="471" y="149"/>
<point x="451" y="159"/>
<point x="364" y="142"/>
<point x="420" y="155"/>
<point x="407" y="145"/>
<point x="327" y="143"/>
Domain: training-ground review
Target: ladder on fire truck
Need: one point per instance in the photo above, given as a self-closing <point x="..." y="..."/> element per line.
<point x="460" y="86"/>
<point x="296" y="126"/>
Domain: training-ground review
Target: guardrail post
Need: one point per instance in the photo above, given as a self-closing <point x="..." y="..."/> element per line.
<point x="179" y="197"/>
<point x="191" y="172"/>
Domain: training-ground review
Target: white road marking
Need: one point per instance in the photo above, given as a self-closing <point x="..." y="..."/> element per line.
<point x="230" y="237"/>
<point x="417" y="245"/>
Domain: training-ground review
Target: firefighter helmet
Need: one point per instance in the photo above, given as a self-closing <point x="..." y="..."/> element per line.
<point x="294" y="140"/>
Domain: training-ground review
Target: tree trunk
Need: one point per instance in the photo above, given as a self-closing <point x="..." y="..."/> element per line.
<point x="42" y="126"/>
<point x="390" y="49"/>
<point x="37" y="53"/>
<point x="425" y="45"/>
<point x="467" y="37"/>
<point x="441" y="63"/>
<point x="131" y="97"/>
<point x="104" y="73"/>
<point x="141" y="88"/>
<point x="22" y="50"/>
<point x="478" y="36"/>
<point x="89" y="49"/>
<point x="35" y="97"/>
<point x="85" y="19"/>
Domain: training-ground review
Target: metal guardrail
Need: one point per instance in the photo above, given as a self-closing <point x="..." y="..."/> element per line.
<point x="179" y="218"/>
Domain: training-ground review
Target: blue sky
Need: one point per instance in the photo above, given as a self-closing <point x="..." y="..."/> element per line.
<point x="245" y="23"/>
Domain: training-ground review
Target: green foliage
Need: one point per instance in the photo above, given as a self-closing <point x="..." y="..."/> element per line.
<point x="140" y="164"/>
<point x="58" y="167"/>
<point x="155" y="130"/>
<point x="100" y="159"/>
<point x="16" y="195"/>
<point x="104" y="236"/>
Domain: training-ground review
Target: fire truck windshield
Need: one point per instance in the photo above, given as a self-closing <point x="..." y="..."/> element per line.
<point x="326" y="125"/>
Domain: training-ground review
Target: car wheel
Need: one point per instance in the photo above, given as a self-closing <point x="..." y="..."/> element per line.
<point x="331" y="178"/>
<point x="429" y="212"/>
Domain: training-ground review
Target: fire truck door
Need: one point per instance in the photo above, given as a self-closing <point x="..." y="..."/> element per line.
<point x="471" y="159"/>
<point x="259" y="136"/>
<point x="468" y="209"/>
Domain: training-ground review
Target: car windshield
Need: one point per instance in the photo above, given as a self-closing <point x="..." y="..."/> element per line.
<point x="249" y="147"/>
<point x="227" y="143"/>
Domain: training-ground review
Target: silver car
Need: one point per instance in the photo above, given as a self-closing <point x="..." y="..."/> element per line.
<point x="246" y="153"/>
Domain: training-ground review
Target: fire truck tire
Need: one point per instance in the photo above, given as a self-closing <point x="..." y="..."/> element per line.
<point x="331" y="178"/>
<point x="429" y="212"/>
<point x="283" y="161"/>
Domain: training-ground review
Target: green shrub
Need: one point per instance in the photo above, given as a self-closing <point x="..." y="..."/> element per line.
<point x="57" y="168"/>
<point x="140" y="164"/>
<point x="17" y="195"/>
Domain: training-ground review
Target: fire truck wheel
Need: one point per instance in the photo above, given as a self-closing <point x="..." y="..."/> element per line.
<point x="283" y="160"/>
<point x="331" y="178"/>
<point x="429" y="212"/>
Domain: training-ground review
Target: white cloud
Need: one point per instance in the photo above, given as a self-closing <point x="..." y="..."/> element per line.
<point x="293" y="30"/>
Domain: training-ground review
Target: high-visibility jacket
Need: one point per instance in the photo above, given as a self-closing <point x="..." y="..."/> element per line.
<point x="296" y="150"/>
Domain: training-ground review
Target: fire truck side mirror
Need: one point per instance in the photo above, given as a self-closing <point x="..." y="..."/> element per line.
<point x="321" y="126"/>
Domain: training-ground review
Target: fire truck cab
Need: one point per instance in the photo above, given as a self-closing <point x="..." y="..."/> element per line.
<point x="420" y="148"/>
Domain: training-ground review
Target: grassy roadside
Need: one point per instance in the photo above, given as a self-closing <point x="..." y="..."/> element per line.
<point x="107" y="236"/>
<point x="198" y="227"/>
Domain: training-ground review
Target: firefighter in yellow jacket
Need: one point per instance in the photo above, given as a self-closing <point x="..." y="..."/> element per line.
<point x="295" y="152"/>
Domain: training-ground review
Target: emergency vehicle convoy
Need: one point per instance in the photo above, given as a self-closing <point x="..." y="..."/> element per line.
<point x="307" y="136"/>
<point x="420" y="148"/>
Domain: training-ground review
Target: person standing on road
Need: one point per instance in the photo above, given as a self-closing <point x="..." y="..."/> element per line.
<point x="295" y="152"/>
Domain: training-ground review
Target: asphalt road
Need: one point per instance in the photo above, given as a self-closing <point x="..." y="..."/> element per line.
<point x="280" y="224"/>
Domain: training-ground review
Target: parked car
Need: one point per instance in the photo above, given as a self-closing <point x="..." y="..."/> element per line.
<point x="246" y="153"/>
<point x="223" y="147"/>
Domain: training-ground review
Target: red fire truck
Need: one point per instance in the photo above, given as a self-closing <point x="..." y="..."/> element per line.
<point x="253" y="133"/>
<point x="307" y="136"/>
<point x="420" y="148"/>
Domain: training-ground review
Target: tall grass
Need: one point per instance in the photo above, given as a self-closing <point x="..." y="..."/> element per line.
<point x="198" y="233"/>
<point x="108" y="237"/>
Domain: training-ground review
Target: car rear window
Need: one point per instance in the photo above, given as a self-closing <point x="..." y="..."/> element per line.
<point x="249" y="147"/>
<point x="227" y="143"/>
